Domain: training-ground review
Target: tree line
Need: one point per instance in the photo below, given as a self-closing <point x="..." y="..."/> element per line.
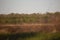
<point x="16" y="18"/>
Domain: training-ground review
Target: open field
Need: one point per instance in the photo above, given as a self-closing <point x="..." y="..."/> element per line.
<point x="29" y="32"/>
<point x="20" y="28"/>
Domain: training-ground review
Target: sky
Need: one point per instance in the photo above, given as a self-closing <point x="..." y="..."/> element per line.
<point x="29" y="6"/>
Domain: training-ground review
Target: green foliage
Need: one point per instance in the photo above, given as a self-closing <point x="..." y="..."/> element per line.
<point x="29" y="18"/>
<point x="31" y="36"/>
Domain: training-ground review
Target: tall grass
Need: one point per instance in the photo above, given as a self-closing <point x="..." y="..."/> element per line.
<point x="31" y="36"/>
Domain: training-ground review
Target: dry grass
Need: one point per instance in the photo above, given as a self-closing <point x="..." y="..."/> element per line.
<point x="21" y="28"/>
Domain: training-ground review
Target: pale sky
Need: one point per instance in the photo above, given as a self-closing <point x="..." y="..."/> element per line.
<point x="29" y="6"/>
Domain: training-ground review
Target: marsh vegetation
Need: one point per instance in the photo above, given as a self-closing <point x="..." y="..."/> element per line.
<point x="34" y="26"/>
